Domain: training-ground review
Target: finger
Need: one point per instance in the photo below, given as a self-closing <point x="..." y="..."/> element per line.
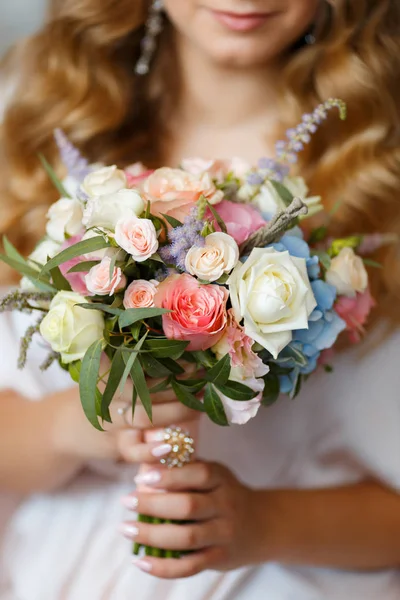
<point x="199" y="476"/>
<point x="174" y="537"/>
<point x="163" y="415"/>
<point x="132" y="450"/>
<point x="174" y="507"/>
<point x="187" y="566"/>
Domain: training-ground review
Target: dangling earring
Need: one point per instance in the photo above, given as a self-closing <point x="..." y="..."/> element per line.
<point x="310" y="39"/>
<point x="154" y="26"/>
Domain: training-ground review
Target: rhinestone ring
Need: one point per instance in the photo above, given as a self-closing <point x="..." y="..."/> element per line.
<point x="182" y="447"/>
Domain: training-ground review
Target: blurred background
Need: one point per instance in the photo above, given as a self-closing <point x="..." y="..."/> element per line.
<point x="19" y="18"/>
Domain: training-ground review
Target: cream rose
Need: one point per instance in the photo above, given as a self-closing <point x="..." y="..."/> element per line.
<point x="347" y="273"/>
<point x="70" y="329"/>
<point x="272" y="293"/>
<point x="219" y="255"/>
<point x="98" y="281"/>
<point x="140" y="294"/>
<point x="64" y="219"/>
<point x="105" y="211"/>
<point x="137" y="236"/>
<point x="104" y="181"/>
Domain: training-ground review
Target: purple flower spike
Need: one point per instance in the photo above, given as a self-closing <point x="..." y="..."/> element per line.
<point x="77" y="166"/>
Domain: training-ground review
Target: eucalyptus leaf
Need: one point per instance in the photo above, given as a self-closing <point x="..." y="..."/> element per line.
<point x="161" y="387"/>
<point x="74" y="370"/>
<point x="193" y="385"/>
<point x="153" y="367"/>
<point x="217" y="217"/>
<point x="112" y="265"/>
<point x="56" y="181"/>
<point x="283" y="192"/>
<point x="214" y="407"/>
<point x="11" y="251"/>
<point x="75" y="251"/>
<point x="187" y="398"/>
<point x="103" y="307"/>
<point x="372" y="263"/>
<point x="41" y="282"/>
<point x="237" y="391"/>
<point x="59" y="280"/>
<point x="163" y="348"/>
<point x="133" y="315"/>
<point x="172" y="221"/>
<point x="173" y="366"/>
<point x="129" y="359"/>
<point x="88" y="382"/>
<point x="219" y="373"/>
<point x="139" y="381"/>
<point x="113" y="381"/>
<point x="84" y="266"/>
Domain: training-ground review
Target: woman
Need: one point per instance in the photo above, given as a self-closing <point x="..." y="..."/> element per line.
<point x="316" y="510"/>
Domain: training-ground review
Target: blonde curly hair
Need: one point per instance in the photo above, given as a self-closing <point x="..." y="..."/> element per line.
<point x="77" y="74"/>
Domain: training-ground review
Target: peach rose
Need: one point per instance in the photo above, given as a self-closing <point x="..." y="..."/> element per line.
<point x="355" y="311"/>
<point x="138" y="237"/>
<point x="140" y="294"/>
<point x="347" y="273"/>
<point x="217" y="169"/>
<point x="198" y="312"/>
<point x="98" y="280"/>
<point x="219" y="255"/>
<point x="174" y="192"/>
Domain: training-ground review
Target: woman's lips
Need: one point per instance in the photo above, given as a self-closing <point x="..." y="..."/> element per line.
<point x="241" y="22"/>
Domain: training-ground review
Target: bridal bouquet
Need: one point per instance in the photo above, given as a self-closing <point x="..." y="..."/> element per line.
<point x="205" y="264"/>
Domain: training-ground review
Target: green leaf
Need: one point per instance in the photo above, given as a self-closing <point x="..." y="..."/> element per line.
<point x="217" y="217"/>
<point x="214" y="407"/>
<point x="59" y="280"/>
<point x="75" y="370"/>
<point x="173" y="366"/>
<point x="88" y="382"/>
<point x="283" y="192"/>
<point x="186" y="397"/>
<point x="112" y="266"/>
<point x="139" y="381"/>
<point x="132" y="315"/>
<point x="11" y="251"/>
<point x="271" y="390"/>
<point x="53" y="177"/>
<point x="205" y="358"/>
<point x="163" y="348"/>
<point x="147" y="211"/>
<point x="161" y="387"/>
<point x="75" y="251"/>
<point x="192" y="385"/>
<point x="103" y="307"/>
<point x="219" y="373"/>
<point x="42" y="283"/>
<point x="153" y="367"/>
<point x="372" y="263"/>
<point x="318" y="234"/>
<point x="113" y="381"/>
<point x="129" y="359"/>
<point x="173" y="222"/>
<point x="237" y="391"/>
<point x="84" y="266"/>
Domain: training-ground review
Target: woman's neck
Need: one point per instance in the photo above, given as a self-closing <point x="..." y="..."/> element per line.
<point x="223" y="111"/>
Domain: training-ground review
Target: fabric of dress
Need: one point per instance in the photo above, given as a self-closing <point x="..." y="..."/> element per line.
<point x="342" y="428"/>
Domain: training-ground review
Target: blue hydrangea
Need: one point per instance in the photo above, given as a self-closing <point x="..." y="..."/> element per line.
<point x="324" y="326"/>
<point x="294" y="243"/>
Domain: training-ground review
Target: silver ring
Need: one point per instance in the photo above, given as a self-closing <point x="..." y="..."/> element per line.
<point x="183" y="448"/>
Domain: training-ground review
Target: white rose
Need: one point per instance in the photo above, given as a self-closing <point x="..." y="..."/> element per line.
<point x="219" y="255"/>
<point x="271" y="291"/>
<point x="105" y="211"/>
<point x="104" y="181"/>
<point x="70" y="329"/>
<point x="269" y="201"/>
<point x="43" y="251"/>
<point x="347" y="273"/>
<point x="64" y="219"/>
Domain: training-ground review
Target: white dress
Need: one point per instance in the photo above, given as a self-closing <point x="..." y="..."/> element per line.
<point x="344" y="427"/>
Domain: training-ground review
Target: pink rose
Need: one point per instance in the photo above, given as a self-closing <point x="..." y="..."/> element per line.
<point x="76" y="280"/>
<point x="136" y="175"/>
<point x="174" y="191"/>
<point x="198" y="311"/>
<point x="140" y="294"/>
<point x="98" y="280"/>
<point x="354" y="311"/>
<point x="217" y="169"/>
<point x="241" y="219"/>
<point x="138" y="237"/>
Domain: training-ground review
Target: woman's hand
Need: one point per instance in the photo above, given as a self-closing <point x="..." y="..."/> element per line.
<point x="225" y="529"/>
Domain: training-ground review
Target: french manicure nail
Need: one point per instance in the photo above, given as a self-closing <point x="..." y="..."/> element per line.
<point x="161" y="450"/>
<point x="130" y="502"/>
<point x="149" y="478"/>
<point x="142" y="564"/>
<point x="129" y="530"/>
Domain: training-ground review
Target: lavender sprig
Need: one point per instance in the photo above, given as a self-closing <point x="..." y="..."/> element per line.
<point x="77" y="165"/>
<point x="51" y="358"/>
<point x="182" y="239"/>
<point x="26" y="341"/>
<point x="299" y="136"/>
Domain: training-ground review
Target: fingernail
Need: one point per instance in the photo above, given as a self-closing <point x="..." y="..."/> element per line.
<point x="130" y="502"/>
<point x="159" y="436"/>
<point x="142" y="564"/>
<point x="161" y="450"/>
<point x="128" y="530"/>
<point x="149" y="478"/>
